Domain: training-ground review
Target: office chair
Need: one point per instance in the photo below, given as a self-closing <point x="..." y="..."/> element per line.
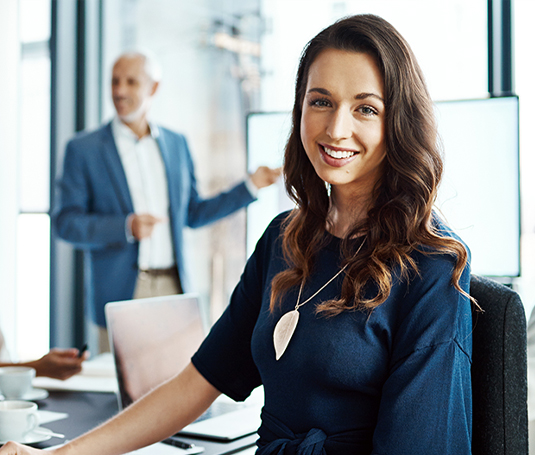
<point x="499" y="371"/>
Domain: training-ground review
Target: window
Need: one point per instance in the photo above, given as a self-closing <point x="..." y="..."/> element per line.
<point x="33" y="222"/>
<point x="523" y="73"/>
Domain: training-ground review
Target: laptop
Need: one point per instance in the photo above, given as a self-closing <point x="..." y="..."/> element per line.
<point x="152" y="340"/>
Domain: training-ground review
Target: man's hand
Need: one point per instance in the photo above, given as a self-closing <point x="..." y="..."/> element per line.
<point x="59" y="363"/>
<point x="265" y="176"/>
<point x="142" y="225"/>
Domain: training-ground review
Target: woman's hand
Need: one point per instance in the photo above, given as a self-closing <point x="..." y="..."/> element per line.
<point x="59" y="363"/>
<point x="14" y="448"/>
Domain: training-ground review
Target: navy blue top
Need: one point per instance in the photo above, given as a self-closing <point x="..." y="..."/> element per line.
<point x="396" y="381"/>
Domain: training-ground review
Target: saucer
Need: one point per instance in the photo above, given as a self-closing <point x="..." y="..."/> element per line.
<point x="32" y="395"/>
<point x="40" y="434"/>
<point x="35" y="394"/>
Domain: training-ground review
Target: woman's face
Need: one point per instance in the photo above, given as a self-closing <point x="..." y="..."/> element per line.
<point x="342" y="125"/>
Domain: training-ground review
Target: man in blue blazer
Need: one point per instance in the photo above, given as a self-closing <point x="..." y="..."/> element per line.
<point x="130" y="183"/>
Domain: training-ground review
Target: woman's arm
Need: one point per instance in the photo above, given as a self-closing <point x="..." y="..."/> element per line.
<point x="161" y="413"/>
<point x="426" y="401"/>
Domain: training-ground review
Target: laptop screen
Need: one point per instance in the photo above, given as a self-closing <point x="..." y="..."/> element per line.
<point x="152" y="340"/>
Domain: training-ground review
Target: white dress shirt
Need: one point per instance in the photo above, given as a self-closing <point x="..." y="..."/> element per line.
<point x="147" y="181"/>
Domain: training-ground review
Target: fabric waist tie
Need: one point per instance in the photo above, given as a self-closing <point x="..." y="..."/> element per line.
<point x="311" y="443"/>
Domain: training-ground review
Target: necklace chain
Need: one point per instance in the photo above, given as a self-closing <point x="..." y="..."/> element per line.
<point x="299" y="305"/>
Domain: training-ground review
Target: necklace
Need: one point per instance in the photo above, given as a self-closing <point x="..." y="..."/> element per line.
<point x="285" y="328"/>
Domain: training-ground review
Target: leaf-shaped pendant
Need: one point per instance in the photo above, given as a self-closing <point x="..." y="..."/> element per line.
<point x="283" y="332"/>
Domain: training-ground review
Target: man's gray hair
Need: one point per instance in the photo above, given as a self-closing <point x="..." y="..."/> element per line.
<point x="151" y="64"/>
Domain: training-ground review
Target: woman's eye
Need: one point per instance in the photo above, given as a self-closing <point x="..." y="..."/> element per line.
<point x="367" y="110"/>
<point x="320" y="102"/>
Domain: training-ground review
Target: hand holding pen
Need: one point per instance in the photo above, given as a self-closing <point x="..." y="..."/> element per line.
<point x="60" y="363"/>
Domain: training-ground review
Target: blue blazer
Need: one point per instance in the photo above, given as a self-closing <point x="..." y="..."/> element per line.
<point x="94" y="202"/>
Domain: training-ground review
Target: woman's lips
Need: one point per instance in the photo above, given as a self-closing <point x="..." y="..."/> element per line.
<point x="337" y="157"/>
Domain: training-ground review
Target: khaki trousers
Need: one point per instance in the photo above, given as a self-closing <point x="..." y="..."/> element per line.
<point x="150" y="284"/>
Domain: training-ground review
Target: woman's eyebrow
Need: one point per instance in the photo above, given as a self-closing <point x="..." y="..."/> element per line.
<point x="359" y="96"/>
<point x="319" y="90"/>
<point x="365" y="95"/>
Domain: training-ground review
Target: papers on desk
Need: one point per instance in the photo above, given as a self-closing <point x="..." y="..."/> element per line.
<point x="101" y="365"/>
<point x="98" y="375"/>
<point x="160" y="449"/>
<point x="249" y="451"/>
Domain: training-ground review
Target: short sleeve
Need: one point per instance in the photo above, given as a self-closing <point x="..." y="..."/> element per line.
<point x="426" y="405"/>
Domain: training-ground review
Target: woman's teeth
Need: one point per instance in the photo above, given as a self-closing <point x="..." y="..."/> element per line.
<point x="338" y="153"/>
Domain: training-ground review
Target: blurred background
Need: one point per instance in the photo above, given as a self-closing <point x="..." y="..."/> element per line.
<point x="221" y="61"/>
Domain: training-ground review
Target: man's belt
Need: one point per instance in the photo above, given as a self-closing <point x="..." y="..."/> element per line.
<point x="171" y="271"/>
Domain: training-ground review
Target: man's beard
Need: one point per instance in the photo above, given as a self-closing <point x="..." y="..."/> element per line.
<point x="137" y="114"/>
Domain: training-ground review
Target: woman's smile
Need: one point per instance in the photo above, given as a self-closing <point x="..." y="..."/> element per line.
<point x="335" y="156"/>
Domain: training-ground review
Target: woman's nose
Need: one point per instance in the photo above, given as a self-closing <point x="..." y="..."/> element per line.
<point x="340" y="124"/>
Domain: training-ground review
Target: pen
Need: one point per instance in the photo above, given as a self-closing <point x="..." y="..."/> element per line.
<point x="84" y="348"/>
<point x="178" y="443"/>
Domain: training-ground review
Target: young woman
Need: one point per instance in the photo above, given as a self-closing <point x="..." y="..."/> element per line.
<point x="353" y="311"/>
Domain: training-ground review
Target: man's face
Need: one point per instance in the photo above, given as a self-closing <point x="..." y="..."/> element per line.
<point x="131" y="88"/>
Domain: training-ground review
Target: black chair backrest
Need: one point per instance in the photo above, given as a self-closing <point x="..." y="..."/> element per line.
<point x="499" y="371"/>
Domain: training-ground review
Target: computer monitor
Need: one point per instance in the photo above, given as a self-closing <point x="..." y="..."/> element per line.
<point x="479" y="196"/>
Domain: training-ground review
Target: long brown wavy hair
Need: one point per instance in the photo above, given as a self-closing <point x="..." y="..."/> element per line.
<point x="400" y="219"/>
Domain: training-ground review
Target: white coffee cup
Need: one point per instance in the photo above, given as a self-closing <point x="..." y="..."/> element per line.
<point x="17" y="419"/>
<point x="15" y="382"/>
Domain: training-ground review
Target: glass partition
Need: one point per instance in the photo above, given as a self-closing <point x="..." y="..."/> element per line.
<point x="33" y="223"/>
